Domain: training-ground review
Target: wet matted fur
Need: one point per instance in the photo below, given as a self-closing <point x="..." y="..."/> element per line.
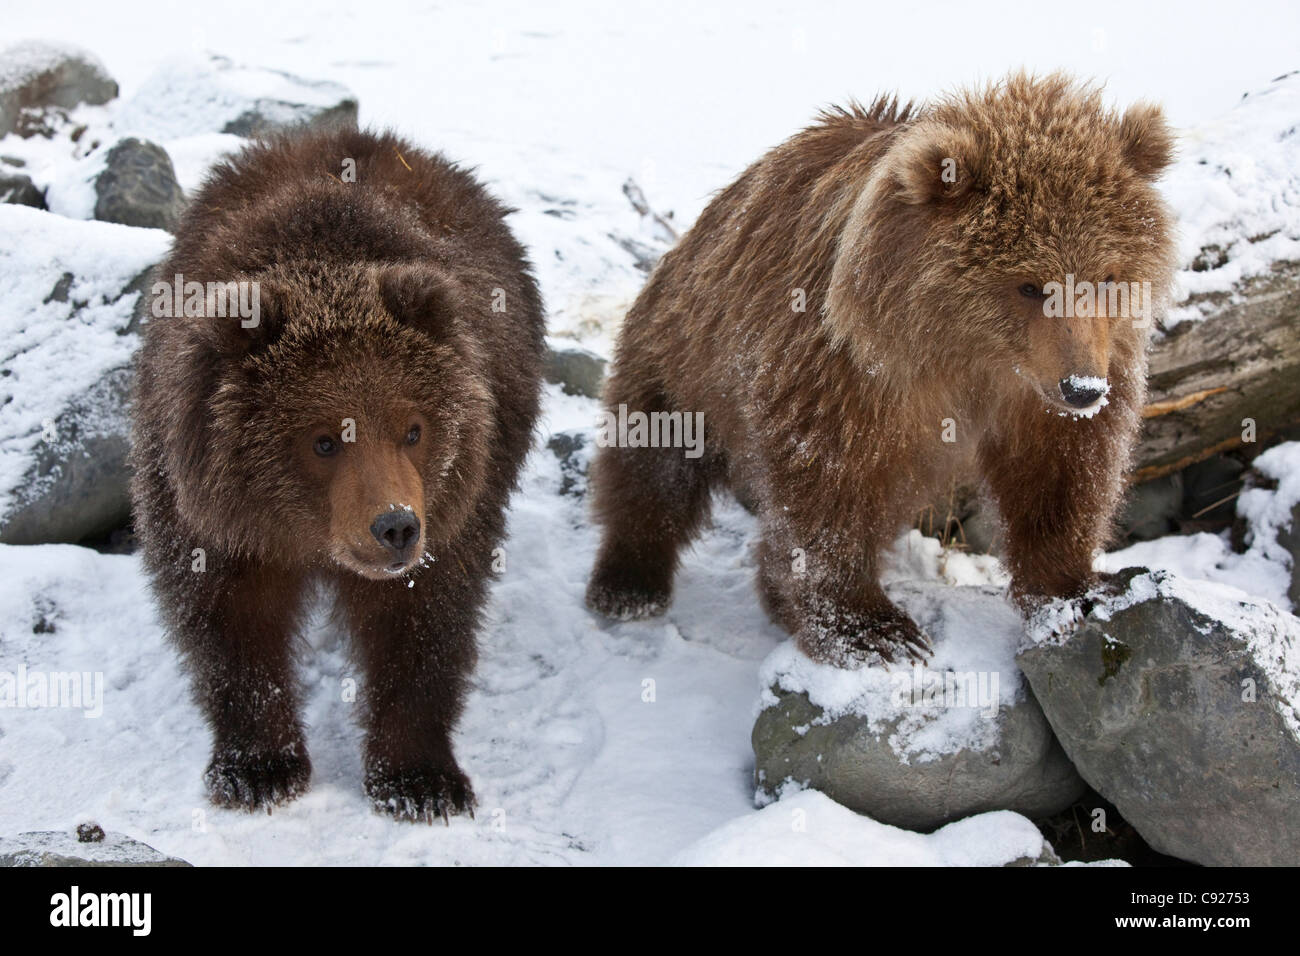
<point x="864" y="291"/>
<point x="399" y="302"/>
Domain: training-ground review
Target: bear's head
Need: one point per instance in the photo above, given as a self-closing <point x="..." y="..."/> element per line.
<point x="1015" y="231"/>
<point x="350" y="426"/>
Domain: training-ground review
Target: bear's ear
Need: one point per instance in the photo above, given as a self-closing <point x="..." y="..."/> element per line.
<point x="1146" y="139"/>
<point x="937" y="163"/>
<point x="419" y="295"/>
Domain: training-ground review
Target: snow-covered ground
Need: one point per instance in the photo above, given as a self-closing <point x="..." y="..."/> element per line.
<point x="587" y="742"/>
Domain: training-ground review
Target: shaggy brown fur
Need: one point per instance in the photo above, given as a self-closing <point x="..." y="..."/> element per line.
<point x="377" y="305"/>
<point x="922" y="304"/>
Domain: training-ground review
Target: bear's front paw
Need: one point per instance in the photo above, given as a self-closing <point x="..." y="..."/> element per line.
<point x="242" y="780"/>
<point x="853" y="640"/>
<point x="626" y="595"/>
<point x="420" y="794"/>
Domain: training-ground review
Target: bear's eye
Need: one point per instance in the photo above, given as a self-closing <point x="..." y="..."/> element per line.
<point x="325" y="446"/>
<point x="413" y="436"/>
<point x="1031" y="291"/>
<point x="1109" y="280"/>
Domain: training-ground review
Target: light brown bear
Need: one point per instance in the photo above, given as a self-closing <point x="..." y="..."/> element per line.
<point x="886" y="298"/>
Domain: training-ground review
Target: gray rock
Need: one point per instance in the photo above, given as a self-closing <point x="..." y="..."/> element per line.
<point x="35" y="76"/>
<point x="75" y="486"/>
<point x="267" y="116"/>
<point x="576" y="370"/>
<point x="138" y="187"/>
<point x="53" y="848"/>
<point x="574" y="452"/>
<point x="1046" y="857"/>
<point x="854" y="765"/>
<point x="1289" y="538"/>
<point x="874" y="763"/>
<point x="78" y="486"/>
<point x="1177" y="702"/>
<point x="18" y="188"/>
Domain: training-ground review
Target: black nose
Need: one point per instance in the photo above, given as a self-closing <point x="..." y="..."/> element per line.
<point x="1082" y="392"/>
<point x="396" y="530"/>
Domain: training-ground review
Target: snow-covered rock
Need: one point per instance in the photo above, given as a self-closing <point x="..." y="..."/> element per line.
<point x="810" y="829"/>
<point x="70" y="291"/>
<point x="189" y="113"/>
<point x="35" y="75"/>
<point x="217" y="95"/>
<point x="55" y="848"/>
<point x="18" y="188"/>
<point x="1179" y="702"/>
<point x="1266" y="568"/>
<point x="1273" y="514"/>
<point x="917" y="746"/>
<point x="1236" y="190"/>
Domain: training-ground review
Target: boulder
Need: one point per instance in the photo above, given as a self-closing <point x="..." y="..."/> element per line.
<point x="54" y="848"/>
<point x="138" y="187"/>
<point x="576" y="371"/>
<point x="917" y="747"/>
<point x="19" y="189"/>
<point x="78" y="485"/>
<point x="1178" y="702"/>
<point x="72" y="293"/>
<point x="36" y="75"/>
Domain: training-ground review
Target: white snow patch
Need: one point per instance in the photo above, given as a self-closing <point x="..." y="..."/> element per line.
<point x="974" y="632"/>
<point x="810" y="829"/>
<point x="1264" y="569"/>
<point x="1236" y="187"/>
<point x="51" y="352"/>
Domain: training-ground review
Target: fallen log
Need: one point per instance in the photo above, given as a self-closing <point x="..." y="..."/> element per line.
<point x="1228" y="379"/>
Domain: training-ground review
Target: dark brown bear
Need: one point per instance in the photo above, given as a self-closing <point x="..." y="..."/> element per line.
<point x="362" y="433"/>
<point x="867" y="311"/>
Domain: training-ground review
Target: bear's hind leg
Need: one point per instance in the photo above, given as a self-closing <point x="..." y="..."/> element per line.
<point x="651" y="502"/>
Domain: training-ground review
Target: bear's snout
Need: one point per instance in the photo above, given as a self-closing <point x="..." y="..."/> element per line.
<point x="397" y="531"/>
<point x="1080" y="391"/>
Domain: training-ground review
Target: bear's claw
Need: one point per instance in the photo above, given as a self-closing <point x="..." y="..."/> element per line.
<point x="420" y="795"/>
<point x="851" y="640"/>
<point x="625" y="597"/>
<point x="239" y="781"/>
